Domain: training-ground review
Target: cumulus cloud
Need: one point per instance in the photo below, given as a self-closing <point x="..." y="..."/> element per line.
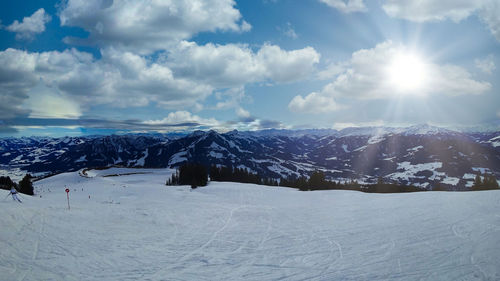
<point x="16" y="79"/>
<point x="232" y="65"/>
<point x="346" y="6"/>
<point x="30" y="26"/>
<point x="145" y="26"/>
<point x="185" y="120"/>
<point x="45" y="102"/>
<point x="117" y="79"/>
<point x="183" y="117"/>
<point x="367" y="76"/>
<point x="242" y="113"/>
<point x="486" y="65"/>
<point x="313" y="103"/>
<point x="455" y="10"/>
<point x="180" y="79"/>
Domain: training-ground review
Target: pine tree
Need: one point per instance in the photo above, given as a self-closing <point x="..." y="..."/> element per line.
<point x="6" y="183"/>
<point x="25" y="185"/>
<point x="478" y="184"/>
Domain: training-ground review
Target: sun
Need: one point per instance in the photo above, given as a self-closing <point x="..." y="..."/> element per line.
<point x="407" y="73"/>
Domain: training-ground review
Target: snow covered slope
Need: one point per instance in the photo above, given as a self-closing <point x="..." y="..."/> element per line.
<point x="133" y="227"/>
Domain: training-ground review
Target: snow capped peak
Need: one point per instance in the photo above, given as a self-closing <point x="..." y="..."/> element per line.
<point x="421" y="129"/>
<point x="232" y="133"/>
<point x="364" y="131"/>
<point x="197" y="133"/>
<point x="425" y="129"/>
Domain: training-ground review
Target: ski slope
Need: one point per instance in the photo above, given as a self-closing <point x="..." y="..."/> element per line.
<point x="133" y="227"/>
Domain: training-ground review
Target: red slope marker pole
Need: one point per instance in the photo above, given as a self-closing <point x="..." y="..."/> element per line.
<point x="67" y="196"/>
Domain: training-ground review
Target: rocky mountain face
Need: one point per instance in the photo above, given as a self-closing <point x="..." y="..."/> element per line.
<point x="421" y="155"/>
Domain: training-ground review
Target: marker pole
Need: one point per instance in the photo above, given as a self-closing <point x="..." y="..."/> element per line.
<point x="67" y="196"/>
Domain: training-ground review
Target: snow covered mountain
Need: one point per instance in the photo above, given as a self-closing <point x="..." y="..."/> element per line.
<point x="421" y="155"/>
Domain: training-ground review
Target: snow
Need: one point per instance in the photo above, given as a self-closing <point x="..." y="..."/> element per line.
<point x="331" y="158"/>
<point x="376" y="139"/>
<point x="344" y="147"/>
<point x="415" y="149"/>
<point x="216" y="155"/>
<point x="15" y="174"/>
<point x="495" y="142"/>
<point x="81" y="159"/>
<point x="481" y="170"/>
<point x="178" y="157"/>
<point x="450" y="180"/>
<point x="409" y="170"/>
<point x="360" y="148"/>
<point x="140" y="161"/>
<point x="468" y="176"/>
<point x="134" y="227"/>
<point x="215" y="146"/>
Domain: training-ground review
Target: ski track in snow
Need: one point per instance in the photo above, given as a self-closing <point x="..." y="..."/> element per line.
<point x="133" y="227"/>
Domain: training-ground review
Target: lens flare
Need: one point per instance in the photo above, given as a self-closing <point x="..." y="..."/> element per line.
<point x="407" y="73"/>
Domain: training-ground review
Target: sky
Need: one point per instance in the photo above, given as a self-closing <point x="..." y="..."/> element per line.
<point x="82" y="67"/>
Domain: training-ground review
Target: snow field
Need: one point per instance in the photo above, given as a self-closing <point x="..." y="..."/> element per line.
<point x="134" y="227"/>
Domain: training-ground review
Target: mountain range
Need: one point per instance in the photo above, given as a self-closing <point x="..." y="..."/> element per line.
<point x="423" y="155"/>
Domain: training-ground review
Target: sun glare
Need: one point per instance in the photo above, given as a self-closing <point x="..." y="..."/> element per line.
<point x="407" y="73"/>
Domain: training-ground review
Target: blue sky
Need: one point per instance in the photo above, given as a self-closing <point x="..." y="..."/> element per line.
<point x="77" y="67"/>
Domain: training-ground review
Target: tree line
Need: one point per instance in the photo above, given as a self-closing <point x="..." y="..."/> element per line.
<point x="24" y="186"/>
<point x="318" y="181"/>
<point x="196" y="175"/>
<point x="192" y="174"/>
<point x="488" y="182"/>
<point x="223" y="173"/>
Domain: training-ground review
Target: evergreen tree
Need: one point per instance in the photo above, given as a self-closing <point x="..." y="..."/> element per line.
<point x="25" y="185"/>
<point x="478" y="184"/>
<point x="317" y="180"/>
<point x="6" y="183"/>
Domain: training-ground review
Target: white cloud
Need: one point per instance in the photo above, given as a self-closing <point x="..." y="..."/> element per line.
<point x="230" y="98"/>
<point x="287" y="66"/>
<point x="490" y="16"/>
<point x="117" y="79"/>
<point x="145" y="26"/>
<point x="343" y="125"/>
<point x="366" y="76"/>
<point x="30" y="26"/>
<point x="288" y="31"/>
<point x="429" y="10"/>
<point x="16" y="79"/>
<point x="346" y="6"/>
<point x="455" y="10"/>
<point x="486" y="65"/>
<point x="242" y="113"/>
<point x="313" y="103"/>
<point x="182" y="79"/>
<point x="183" y="117"/>
<point x="331" y="71"/>
<point x="45" y="102"/>
<point x="233" y="65"/>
